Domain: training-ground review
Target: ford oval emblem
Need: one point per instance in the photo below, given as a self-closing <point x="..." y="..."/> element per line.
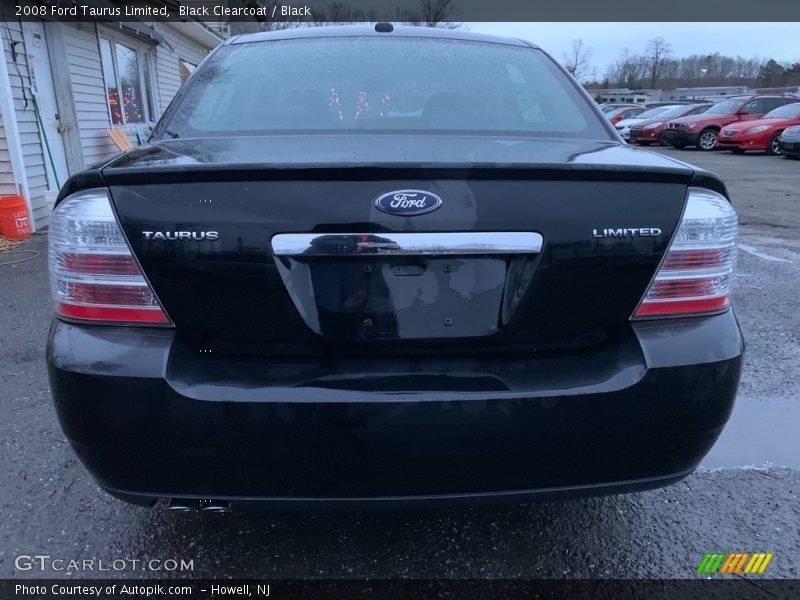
<point x="407" y="203"/>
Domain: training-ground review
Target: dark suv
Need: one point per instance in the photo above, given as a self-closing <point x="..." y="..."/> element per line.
<point x="702" y="130"/>
<point x="338" y="274"/>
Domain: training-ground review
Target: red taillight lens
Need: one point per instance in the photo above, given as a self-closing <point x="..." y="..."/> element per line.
<point x="696" y="275"/>
<point x="93" y="273"/>
<point x="97" y="264"/>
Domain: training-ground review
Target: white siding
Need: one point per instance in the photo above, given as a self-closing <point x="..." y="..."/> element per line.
<point x="167" y="69"/>
<point x="7" y="184"/>
<point x="88" y="91"/>
<point x="28" y="127"/>
<point x="82" y="41"/>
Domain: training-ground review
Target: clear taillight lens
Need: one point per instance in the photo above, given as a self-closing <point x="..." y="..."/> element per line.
<point x="93" y="274"/>
<point x="696" y="275"/>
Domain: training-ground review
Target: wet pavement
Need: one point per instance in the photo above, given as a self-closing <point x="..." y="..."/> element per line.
<point x="765" y="190"/>
<point x="742" y="499"/>
<point x="763" y="432"/>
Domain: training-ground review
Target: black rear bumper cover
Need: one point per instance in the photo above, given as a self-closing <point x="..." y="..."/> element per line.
<point x="148" y="422"/>
<point x="680" y="137"/>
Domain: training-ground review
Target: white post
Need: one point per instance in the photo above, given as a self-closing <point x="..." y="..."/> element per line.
<point x="9" y="115"/>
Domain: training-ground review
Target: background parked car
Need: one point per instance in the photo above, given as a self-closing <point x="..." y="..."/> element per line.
<point x="610" y="106"/>
<point x="761" y="134"/>
<point x="671" y="103"/>
<point x="615" y="116"/>
<point x="624" y="126"/>
<point x="789" y="143"/>
<point x="649" y="130"/>
<point x="702" y="130"/>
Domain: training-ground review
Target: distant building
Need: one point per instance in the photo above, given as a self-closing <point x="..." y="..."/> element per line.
<point x="708" y="93"/>
<point x="621" y="95"/>
<point x="780" y="91"/>
<point x="712" y="93"/>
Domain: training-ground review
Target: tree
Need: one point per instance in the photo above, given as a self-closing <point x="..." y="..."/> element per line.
<point x="793" y="74"/>
<point x="338" y="13"/>
<point x="431" y="13"/>
<point x="259" y="22"/>
<point x="772" y="73"/>
<point x="578" y="61"/>
<point x="627" y="70"/>
<point x="656" y="54"/>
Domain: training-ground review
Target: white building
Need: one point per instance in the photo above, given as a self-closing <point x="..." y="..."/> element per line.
<point x="622" y="95"/>
<point x="711" y="94"/>
<point x="63" y="85"/>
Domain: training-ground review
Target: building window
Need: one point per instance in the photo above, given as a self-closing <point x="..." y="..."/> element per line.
<point x="126" y="76"/>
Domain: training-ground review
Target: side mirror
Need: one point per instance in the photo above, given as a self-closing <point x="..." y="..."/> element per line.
<point x="742" y="113"/>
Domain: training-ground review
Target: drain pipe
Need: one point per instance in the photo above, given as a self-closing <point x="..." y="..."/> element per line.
<point x="46" y="141"/>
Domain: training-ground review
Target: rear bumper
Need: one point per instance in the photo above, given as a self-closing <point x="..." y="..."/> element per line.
<point x="790" y="148"/>
<point x="149" y="420"/>
<point x="680" y="137"/>
<point x="644" y="135"/>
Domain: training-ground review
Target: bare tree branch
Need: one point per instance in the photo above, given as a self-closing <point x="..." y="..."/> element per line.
<point x="578" y="61"/>
<point x="431" y="13"/>
<point x="656" y="53"/>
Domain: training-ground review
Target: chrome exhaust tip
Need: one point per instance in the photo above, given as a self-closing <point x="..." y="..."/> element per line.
<point x="215" y="506"/>
<point x="178" y="505"/>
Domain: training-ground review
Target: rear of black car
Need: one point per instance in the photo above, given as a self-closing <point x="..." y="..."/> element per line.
<point x="419" y="267"/>
<point x="789" y="142"/>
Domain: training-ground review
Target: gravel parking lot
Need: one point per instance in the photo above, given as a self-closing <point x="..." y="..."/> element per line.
<point x="745" y="498"/>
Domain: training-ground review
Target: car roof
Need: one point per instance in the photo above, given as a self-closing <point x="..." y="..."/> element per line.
<point x="750" y="97"/>
<point x="370" y="31"/>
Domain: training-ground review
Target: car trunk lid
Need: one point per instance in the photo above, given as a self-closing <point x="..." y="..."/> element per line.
<point x="221" y="207"/>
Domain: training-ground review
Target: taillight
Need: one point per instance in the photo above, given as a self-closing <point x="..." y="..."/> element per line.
<point x="696" y="275"/>
<point x="93" y="273"/>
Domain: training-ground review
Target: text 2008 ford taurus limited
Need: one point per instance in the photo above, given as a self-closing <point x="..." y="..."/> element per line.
<point x="375" y="265"/>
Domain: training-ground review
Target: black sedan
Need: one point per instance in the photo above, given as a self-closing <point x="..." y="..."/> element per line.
<point x="789" y="143"/>
<point x="370" y="266"/>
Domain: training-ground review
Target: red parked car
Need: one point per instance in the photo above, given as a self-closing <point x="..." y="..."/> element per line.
<point x="761" y="134"/>
<point x="702" y="130"/>
<point x="627" y="112"/>
<point x="650" y="131"/>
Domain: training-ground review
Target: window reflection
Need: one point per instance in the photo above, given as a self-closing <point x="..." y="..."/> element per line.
<point x="110" y="79"/>
<point x="130" y="83"/>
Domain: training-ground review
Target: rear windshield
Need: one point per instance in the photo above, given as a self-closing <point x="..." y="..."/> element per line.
<point x="726" y="107"/>
<point x="371" y="84"/>
<point x="653" y="112"/>
<point x="676" y="111"/>
<point x="787" y="111"/>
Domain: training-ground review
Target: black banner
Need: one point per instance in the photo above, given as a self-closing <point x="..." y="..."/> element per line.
<point x="412" y="11"/>
<point x="598" y="589"/>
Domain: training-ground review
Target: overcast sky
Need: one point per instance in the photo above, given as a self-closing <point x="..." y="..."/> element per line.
<point x="780" y="41"/>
